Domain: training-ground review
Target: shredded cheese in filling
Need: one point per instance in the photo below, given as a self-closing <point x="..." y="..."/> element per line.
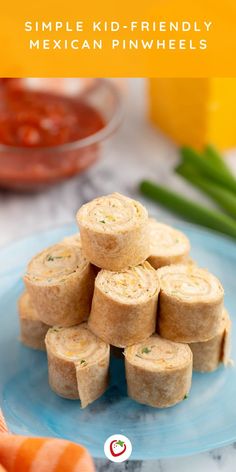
<point x="134" y="284"/>
<point x="189" y="282"/>
<point x="56" y="263"/>
<point x="157" y="353"/>
<point x="76" y="344"/>
<point x="165" y="240"/>
<point x="111" y="213"/>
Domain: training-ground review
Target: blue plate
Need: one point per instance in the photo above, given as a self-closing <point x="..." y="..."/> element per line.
<point x="207" y="419"/>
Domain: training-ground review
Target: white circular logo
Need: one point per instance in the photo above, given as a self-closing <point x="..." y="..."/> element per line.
<point x="117" y="448"/>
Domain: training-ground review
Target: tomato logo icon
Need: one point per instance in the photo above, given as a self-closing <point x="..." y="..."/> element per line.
<point x="117" y="448"/>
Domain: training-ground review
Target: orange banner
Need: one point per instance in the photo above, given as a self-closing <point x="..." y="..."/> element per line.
<point x="96" y="38"/>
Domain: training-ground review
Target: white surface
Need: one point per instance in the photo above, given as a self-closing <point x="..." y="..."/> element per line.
<point x="137" y="151"/>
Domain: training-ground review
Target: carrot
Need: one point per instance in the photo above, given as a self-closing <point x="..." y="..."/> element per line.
<point x="22" y="454"/>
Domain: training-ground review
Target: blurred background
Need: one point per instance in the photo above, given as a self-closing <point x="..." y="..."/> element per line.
<point x="65" y="141"/>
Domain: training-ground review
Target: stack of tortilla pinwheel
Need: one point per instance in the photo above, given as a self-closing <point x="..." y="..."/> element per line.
<point x="125" y="280"/>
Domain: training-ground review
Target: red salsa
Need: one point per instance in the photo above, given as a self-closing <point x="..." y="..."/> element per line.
<point x="39" y="119"/>
<point x="32" y="124"/>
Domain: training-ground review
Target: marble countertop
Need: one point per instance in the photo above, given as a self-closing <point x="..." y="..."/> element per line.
<point x="135" y="152"/>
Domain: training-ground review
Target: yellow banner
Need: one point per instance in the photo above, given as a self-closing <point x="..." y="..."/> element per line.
<point x="151" y="38"/>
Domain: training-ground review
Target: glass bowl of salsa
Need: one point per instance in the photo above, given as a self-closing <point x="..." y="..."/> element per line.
<point x="53" y="129"/>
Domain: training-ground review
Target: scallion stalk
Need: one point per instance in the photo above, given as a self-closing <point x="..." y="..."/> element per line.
<point x="208" y="168"/>
<point x="212" y="155"/>
<point x="225" y="198"/>
<point x="188" y="209"/>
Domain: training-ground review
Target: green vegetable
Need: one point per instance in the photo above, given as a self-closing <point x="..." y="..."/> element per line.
<point x="146" y="350"/>
<point x="189" y="209"/>
<point x="225" y="198"/>
<point x="213" y="156"/>
<point x="51" y="258"/>
<point x="82" y="361"/>
<point x="185" y="396"/>
<point x="102" y="221"/>
<point x="206" y="167"/>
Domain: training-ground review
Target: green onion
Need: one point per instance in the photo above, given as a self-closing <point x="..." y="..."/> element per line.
<point x="146" y="350"/>
<point x="225" y="198"/>
<point x="208" y="168"/>
<point x="213" y="156"/>
<point x="189" y="209"/>
<point x="52" y="258"/>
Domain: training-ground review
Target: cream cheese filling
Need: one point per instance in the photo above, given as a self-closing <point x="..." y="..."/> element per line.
<point x="111" y="213"/>
<point x="189" y="283"/>
<point x="165" y="240"/>
<point x="77" y="344"/>
<point x="158" y="353"/>
<point x="186" y="285"/>
<point x="56" y="263"/>
<point x="135" y="284"/>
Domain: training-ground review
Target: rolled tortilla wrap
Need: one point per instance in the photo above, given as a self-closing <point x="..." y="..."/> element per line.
<point x="114" y="232"/>
<point x="158" y="371"/>
<point x="32" y="330"/>
<point x="78" y="363"/>
<point x="167" y="245"/>
<point x="190" y="304"/>
<point x="124" y="305"/>
<point x="208" y="355"/>
<point x="73" y="239"/>
<point x="60" y="282"/>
